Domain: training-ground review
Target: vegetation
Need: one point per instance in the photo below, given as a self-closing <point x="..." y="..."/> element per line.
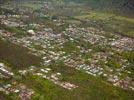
<point x="62" y="13"/>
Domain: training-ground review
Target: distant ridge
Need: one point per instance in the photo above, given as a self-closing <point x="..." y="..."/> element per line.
<point x="120" y="6"/>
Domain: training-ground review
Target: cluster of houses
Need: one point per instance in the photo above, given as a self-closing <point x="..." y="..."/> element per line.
<point x="4" y="72"/>
<point x="86" y="34"/>
<point x="18" y="89"/>
<point x="13" y="16"/>
<point x="80" y="65"/>
<point x="124" y="44"/>
<point x="13" y="87"/>
<point x="47" y="73"/>
<point x="50" y="47"/>
<point x="126" y="83"/>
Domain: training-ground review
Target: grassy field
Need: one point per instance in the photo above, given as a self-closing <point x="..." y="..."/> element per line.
<point x="17" y="56"/>
<point x="110" y="22"/>
<point x="32" y="6"/>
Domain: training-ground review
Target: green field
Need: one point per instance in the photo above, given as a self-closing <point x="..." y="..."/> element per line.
<point x="110" y="22"/>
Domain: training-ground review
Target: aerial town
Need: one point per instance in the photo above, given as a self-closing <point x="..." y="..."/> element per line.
<point x="51" y="51"/>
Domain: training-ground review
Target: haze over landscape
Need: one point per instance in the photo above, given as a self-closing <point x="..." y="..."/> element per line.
<point x="66" y="49"/>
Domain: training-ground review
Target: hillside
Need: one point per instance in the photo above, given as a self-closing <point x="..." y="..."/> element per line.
<point x="66" y="50"/>
<point x="118" y="6"/>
